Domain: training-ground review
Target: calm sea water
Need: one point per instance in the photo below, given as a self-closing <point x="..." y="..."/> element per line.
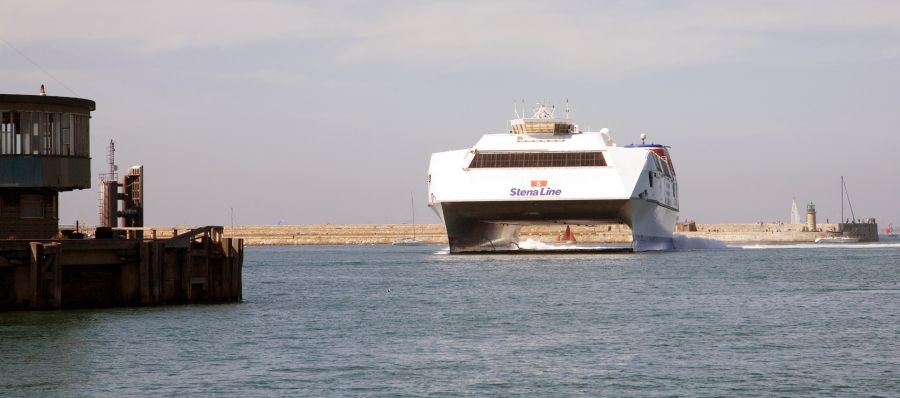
<point x="414" y="321"/>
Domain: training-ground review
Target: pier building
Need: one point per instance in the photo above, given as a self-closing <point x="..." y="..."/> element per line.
<point x="44" y="150"/>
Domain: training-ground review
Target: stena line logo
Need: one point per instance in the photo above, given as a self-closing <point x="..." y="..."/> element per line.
<point x="538" y="188"/>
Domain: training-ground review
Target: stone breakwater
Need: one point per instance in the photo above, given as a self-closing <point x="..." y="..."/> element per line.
<point x="759" y="232"/>
<point x="366" y="234"/>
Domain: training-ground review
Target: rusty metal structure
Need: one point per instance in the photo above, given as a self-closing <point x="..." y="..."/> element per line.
<point x="109" y="190"/>
<point x="131" y="194"/>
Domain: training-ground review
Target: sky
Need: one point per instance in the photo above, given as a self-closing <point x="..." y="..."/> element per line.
<point x="302" y="112"/>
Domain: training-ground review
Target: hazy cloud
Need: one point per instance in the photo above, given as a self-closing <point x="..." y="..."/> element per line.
<point x="154" y="26"/>
<point x="310" y="111"/>
<point x="609" y="36"/>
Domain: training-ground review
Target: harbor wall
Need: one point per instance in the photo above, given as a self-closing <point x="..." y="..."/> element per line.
<point x="199" y="266"/>
<point x="365" y="234"/>
<point x="373" y="234"/>
<point x="866" y="232"/>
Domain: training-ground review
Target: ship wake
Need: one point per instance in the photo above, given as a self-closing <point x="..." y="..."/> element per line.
<point x="690" y="243"/>
<point x="873" y="245"/>
<point x="536" y="245"/>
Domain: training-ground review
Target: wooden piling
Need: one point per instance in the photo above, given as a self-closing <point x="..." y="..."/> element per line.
<point x="187" y="271"/>
<point x="239" y="266"/>
<point x="156" y="263"/>
<point x="144" y="272"/>
<point x="37" y="259"/>
<point x="53" y="262"/>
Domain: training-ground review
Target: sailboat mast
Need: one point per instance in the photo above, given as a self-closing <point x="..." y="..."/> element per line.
<point x="412" y="207"/>
<point x="795" y="214"/>
<point x="842" y="198"/>
<point x="849" y="203"/>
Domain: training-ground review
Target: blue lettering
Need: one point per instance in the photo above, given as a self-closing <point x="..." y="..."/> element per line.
<point x="535" y="192"/>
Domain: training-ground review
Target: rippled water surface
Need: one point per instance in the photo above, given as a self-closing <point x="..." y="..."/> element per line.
<point x="414" y="321"/>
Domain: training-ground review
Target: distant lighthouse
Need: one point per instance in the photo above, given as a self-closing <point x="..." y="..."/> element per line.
<point x="811" y="216"/>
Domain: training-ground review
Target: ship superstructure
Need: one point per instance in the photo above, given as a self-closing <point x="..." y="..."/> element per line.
<point x="546" y="171"/>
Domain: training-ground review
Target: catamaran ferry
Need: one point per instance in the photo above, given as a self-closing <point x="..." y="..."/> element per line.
<point x="547" y="171"/>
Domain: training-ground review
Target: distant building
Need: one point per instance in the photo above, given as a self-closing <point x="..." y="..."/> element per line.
<point x="44" y="150"/>
<point x="811" y="217"/>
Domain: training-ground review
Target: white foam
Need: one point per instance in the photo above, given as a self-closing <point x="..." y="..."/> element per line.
<point x="688" y="243"/>
<point x="824" y="246"/>
<point x="531" y="244"/>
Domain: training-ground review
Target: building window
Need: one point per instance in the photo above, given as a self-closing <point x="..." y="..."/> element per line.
<point x="44" y="133"/>
<point x="537" y="159"/>
<point x="10" y="133"/>
<point x="53" y="132"/>
<point x="66" y="134"/>
<point x="35" y="136"/>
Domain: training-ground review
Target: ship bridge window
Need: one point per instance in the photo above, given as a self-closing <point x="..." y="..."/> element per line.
<point x="537" y="159"/>
<point x="665" y="168"/>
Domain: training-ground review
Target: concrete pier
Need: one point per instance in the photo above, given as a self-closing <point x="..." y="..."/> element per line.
<point x="865" y="232"/>
<point x="367" y="234"/>
<point x="198" y="266"/>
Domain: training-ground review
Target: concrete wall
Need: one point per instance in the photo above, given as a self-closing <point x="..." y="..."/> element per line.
<point x="762" y="228"/>
<point x="366" y="234"/>
<point x="866" y="232"/>
<point x="760" y="232"/>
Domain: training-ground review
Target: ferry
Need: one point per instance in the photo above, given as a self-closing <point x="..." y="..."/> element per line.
<point x="545" y="170"/>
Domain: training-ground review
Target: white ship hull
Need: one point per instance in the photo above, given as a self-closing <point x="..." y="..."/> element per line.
<point x="495" y="226"/>
<point x="484" y="205"/>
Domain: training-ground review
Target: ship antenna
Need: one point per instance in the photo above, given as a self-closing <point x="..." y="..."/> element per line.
<point x="567" y="108"/>
<point x="516" y="110"/>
